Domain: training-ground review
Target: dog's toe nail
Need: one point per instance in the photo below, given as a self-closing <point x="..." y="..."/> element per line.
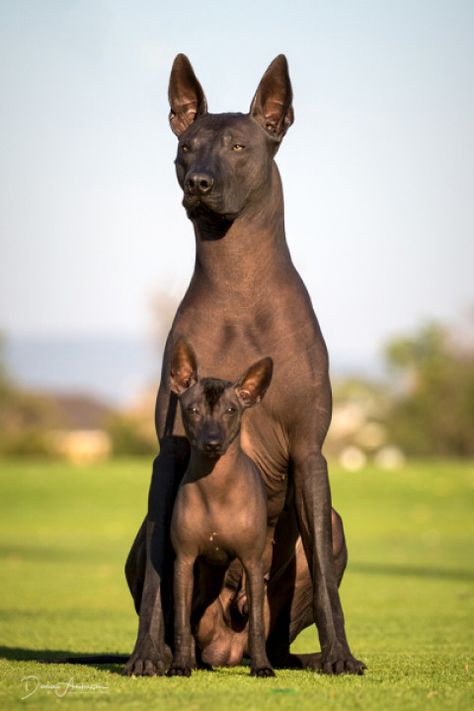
<point x="149" y="668"/>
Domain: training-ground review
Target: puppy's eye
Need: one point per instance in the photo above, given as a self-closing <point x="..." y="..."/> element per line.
<point x="238" y="147"/>
<point x="231" y="410"/>
<point x="192" y="410"/>
<point x="185" y="148"/>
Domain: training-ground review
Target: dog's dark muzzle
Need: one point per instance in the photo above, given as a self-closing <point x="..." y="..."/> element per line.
<point x="203" y="200"/>
<point x="212" y="448"/>
<point x="198" y="184"/>
<point x="198" y="191"/>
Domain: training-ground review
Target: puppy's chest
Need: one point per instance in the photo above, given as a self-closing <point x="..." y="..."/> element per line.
<point x="217" y="547"/>
<point x="223" y="531"/>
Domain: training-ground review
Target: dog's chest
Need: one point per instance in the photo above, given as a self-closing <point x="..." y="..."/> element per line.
<point x="216" y="548"/>
<point x="266" y="444"/>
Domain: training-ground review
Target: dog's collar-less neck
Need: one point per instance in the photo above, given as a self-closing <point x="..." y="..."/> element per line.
<point x="252" y="247"/>
<point x="201" y="466"/>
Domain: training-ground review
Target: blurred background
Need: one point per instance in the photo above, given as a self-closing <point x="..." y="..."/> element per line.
<point x="377" y="170"/>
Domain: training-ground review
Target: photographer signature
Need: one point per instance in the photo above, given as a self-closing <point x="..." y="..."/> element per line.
<point x="32" y="684"/>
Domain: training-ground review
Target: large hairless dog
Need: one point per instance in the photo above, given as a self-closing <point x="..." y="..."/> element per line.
<point x="246" y="300"/>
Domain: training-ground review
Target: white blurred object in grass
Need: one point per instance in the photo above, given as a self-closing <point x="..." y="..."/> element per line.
<point x="352" y="458"/>
<point x="390" y="457"/>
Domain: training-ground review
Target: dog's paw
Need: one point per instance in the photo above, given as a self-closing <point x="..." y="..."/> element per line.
<point x="146" y="660"/>
<point x="262" y="672"/>
<point x="136" y="666"/>
<point x="342" y="663"/>
<point x="176" y="670"/>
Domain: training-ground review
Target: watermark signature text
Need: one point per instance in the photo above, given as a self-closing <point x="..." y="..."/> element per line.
<point x="32" y="684"/>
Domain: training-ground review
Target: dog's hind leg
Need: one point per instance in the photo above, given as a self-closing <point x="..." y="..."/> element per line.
<point x="290" y="595"/>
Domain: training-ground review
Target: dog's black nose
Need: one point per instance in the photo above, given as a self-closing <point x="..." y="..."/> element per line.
<point x="212" y="446"/>
<point x="199" y="183"/>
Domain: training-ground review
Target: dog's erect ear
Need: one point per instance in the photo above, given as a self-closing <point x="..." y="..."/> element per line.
<point x="271" y="106"/>
<point x="185" y="95"/>
<point x="253" y="384"/>
<point x="183" y="367"/>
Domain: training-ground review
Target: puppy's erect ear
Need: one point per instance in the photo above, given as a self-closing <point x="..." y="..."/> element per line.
<point x="253" y="384"/>
<point x="183" y="367"/>
<point x="186" y="97"/>
<point x="271" y="106"/>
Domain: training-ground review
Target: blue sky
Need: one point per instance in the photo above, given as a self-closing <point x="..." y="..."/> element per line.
<point x="378" y="169"/>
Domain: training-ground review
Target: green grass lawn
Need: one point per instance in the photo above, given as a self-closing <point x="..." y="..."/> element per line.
<point x="65" y="533"/>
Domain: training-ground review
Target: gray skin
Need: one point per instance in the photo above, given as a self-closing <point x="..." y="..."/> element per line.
<point x="220" y="512"/>
<point x="246" y="300"/>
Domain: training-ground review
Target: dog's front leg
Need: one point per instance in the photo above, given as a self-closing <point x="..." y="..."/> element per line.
<point x="313" y="507"/>
<point x="184" y="656"/>
<point x="151" y="655"/>
<point x="259" y="664"/>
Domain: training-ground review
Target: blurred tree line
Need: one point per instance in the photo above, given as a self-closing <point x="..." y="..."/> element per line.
<point x="426" y="408"/>
<point x="42" y="424"/>
<point x="25" y="417"/>
<point x="432" y="411"/>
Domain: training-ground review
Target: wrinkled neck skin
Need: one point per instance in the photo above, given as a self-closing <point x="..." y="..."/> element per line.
<point x="240" y="260"/>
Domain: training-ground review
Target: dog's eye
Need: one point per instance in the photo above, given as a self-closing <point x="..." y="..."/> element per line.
<point x="185" y="148"/>
<point x="192" y="410"/>
<point x="238" y="147"/>
<point x="230" y="410"/>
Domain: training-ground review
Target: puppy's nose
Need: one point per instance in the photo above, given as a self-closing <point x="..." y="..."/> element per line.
<point x="199" y="183"/>
<point x="212" y="446"/>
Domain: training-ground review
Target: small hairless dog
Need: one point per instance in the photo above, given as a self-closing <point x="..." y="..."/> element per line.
<point x="220" y="511"/>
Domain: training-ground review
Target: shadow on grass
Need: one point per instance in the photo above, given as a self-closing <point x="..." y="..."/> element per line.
<point x="416" y="571"/>
<point x="105" y="662"/>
